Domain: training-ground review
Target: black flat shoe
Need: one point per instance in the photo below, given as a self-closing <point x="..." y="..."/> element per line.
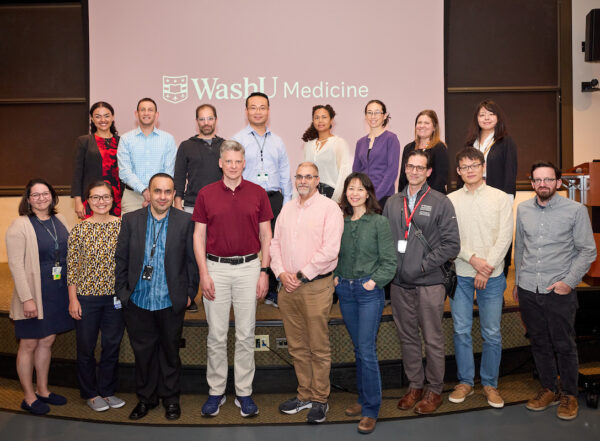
<point x="37" y="407"/>
<point x="54" y="399"/>
<point x="141" y="410"/>
<point x="172" y="411"/>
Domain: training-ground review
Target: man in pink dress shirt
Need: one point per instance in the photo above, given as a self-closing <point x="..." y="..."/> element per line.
<point x="304" y="253"/>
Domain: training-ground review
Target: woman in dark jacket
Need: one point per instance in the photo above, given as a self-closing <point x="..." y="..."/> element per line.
<point x="427" y="137"/>
<point x="96" y="158"/>
<point x="487" y="133"/>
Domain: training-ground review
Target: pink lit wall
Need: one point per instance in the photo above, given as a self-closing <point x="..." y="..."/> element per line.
<point x="301" y="53"/>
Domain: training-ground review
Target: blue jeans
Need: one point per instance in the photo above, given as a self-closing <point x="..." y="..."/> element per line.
<point x="361" y="310"/>
<point x="489" y="301"/>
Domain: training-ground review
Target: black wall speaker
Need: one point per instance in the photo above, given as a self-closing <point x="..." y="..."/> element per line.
<point x="592" y="35"/>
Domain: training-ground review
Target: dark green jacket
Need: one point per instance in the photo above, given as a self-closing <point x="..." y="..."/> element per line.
<point x="367" y="249"/>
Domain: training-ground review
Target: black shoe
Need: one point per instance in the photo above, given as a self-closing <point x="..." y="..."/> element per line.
<point x="192" y="308"/>
<point x="172" y="411"/>
<point x="141" y="410"/>
<point x="317" y="413"/>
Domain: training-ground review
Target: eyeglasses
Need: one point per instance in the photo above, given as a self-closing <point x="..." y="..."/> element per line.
<point x="43" y="195"/>
<point x="375" y="113"/>
<point x="305" y="177"/>
<point x="538" y="181"/>
<point x="473" y="167"/>
<point x="419" y="168"/>
<point x="207" y="119"/>
<point x="104" y="197"/>
<point x="253" y="109"/>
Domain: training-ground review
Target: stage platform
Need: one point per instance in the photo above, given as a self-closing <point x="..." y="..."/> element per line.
<point x="274" y="370"/>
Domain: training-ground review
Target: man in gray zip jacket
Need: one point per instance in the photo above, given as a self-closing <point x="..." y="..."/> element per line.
<point x="417" y="291"/>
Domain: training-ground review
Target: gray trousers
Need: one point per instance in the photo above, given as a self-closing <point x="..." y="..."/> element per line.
<point x="414" y="308"/>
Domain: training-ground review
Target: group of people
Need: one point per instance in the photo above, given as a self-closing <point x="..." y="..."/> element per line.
<point x="219" y="214"/>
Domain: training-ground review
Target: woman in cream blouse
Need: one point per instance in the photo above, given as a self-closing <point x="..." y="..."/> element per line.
<point x="329" y="152"/>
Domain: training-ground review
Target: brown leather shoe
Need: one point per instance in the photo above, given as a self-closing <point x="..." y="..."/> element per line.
<point x="430" y="402"/>
<point x="543" y="399"/>
<point x="568" y="407"/>
<point x="366" y="425"/>
<point x="354" y="409"/>
<point x="410" y="398"/>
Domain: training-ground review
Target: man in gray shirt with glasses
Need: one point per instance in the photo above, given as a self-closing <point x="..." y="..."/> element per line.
<point x="554" y="248"/>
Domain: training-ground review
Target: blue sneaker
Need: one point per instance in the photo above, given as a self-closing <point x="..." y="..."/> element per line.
<point x="212" y="405"/>
<point x="247" y="406"/>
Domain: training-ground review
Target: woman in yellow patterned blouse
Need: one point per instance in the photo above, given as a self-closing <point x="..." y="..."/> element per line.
<point x="92" y="300"/>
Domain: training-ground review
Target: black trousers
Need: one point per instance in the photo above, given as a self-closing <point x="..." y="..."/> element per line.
<point x="276" y="201"/>
<point x="550" y="322"/>
<point x="98" y="316"/>
<point x="154" y="338"/>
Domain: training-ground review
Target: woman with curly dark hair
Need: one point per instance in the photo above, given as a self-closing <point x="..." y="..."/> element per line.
<point x="96" y="159"/>
<point x="330" y="152"/>
<point x="366" y="263"/>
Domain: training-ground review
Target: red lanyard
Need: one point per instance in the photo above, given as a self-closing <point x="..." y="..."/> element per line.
<point x="409" y="218"/>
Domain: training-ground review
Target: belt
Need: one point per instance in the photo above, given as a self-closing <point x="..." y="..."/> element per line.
<point x="303" y="279"/>
<point x="232" y="260"/>
<point x="273" y="193"/>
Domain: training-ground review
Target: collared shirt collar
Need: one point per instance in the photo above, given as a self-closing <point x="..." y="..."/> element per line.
<point x="239" y="187"/>
<point x="155" y="219"/>
<point x="309" y="201"/>
<point x="251" y="131"/>
<point x="477" y="190"/>
<point x="419" y="193"/>
<point x="138" y="131"/>
<point x="550" y="203"/>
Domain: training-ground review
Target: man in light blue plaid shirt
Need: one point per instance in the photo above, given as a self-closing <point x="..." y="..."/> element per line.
<point x="142" y="153"/>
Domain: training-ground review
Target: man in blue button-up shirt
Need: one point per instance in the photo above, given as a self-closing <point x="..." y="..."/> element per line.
<point x="554" y="248"/>
<point x="142" y="153"/>
<point x="267" y="163"/>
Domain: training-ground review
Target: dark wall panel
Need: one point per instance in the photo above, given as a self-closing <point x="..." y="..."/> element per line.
<point x="502" y="43"/>
<point x="43" y="91"/>
<point x="43" y="52"/>
<point x="38" y="141"/>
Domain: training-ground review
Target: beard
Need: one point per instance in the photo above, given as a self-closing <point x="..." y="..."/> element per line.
<point x="207" y="130"/>
<point x="545" y="193"/>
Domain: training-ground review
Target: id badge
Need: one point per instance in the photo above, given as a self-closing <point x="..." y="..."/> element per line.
<point x="56" y="270"/>
<point x="263" y="178"/>
<point x="116" y="303"/>
<point x="402" y="246"/>
<point x="147" y="273"/>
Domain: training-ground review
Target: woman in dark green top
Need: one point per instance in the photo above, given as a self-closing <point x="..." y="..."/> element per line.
<point x="367" y="262"/>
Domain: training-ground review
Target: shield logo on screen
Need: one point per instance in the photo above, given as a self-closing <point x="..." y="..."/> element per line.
<point x="175" y="89"/>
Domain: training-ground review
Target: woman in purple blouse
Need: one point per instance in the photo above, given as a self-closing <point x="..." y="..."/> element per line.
<point x="378" y="153"/>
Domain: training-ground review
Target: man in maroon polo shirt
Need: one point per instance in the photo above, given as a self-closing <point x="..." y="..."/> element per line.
<point x="233" y="223"/>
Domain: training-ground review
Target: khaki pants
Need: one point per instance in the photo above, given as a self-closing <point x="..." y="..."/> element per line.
<point x="234" y="285"/>
<point x="131" y="201"/>
<point x="305" y="315"/>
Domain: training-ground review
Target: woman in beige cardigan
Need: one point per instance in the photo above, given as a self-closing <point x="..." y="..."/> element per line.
<point x="36" y="243"/>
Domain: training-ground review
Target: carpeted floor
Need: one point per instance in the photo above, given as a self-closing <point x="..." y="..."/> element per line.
<point x="515" y="389"/>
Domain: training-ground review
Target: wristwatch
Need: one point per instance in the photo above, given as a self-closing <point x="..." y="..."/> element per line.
<point x="265" y="270"/>
<point x="302" y="277"/>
